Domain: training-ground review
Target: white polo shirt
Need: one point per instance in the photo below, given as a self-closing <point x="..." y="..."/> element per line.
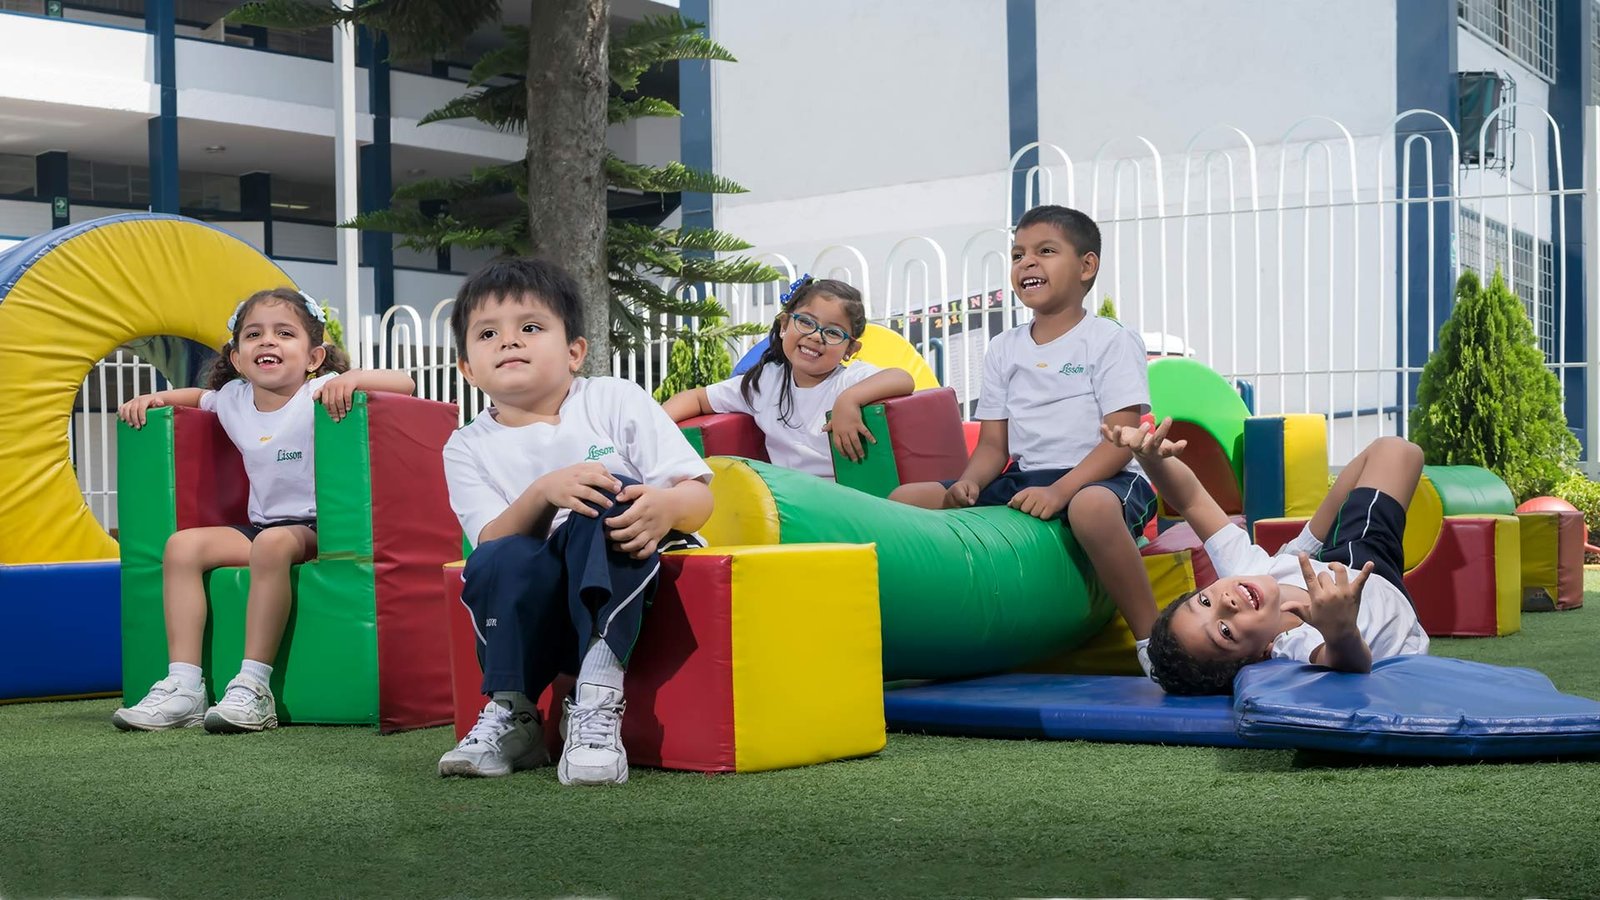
<point x="611" y="421"/>
<point x="1053" y="396"/>
<point x="798" y="442"/>
<point x="278" y="448"/>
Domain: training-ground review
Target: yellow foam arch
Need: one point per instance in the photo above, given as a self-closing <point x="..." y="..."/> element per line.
<point x="886" y="349"/>
<point x="66" y="300"/>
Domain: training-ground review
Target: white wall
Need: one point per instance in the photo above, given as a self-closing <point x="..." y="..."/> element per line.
<point x="1119" y="68"/>
<point x="895" y="112"/>
<point x="23" y="218"/>
<point x="56" y="61"/>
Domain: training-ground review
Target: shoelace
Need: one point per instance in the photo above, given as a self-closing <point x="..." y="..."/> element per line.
<point x="595" y="726"/>
<point x="240" y="695"/>
<point x="159" y="692"/>
<point x="493" y="722"/>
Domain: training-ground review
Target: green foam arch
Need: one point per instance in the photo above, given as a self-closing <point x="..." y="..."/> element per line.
<point x="1190" y="391"/>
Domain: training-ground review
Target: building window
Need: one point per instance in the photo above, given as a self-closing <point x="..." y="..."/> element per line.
<point x="1528" y="266"/>
<point x="1524" y="29"/>
<point x="16" y="176"/>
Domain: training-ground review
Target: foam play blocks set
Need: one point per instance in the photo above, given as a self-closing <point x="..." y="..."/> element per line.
<point x="1463" y="552"/>
<point x="918" y="438"/>
<point x="1552" y="559"/>
<point x="366" y="639"/>
<point x="745" y="663"/>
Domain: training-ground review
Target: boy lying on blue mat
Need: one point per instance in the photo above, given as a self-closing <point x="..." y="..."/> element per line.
<point x="1302" y="603"/>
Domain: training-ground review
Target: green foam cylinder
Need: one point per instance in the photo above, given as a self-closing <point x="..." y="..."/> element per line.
<point x="962" y="592"/>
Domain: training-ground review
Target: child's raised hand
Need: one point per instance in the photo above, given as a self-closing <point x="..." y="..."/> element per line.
<point x="961" y="495"/>
<point x="637" y="530"/>
<point x="133" y="411"/>
<point x="1145" y="442"/>
<point x="337" y="394"/>
<point x="848" y="429"/>
<point x="577" y="486"/>
<point x="1333" y="598"/>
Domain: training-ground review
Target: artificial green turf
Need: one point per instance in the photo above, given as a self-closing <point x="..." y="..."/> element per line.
<point x="87" y="810"/>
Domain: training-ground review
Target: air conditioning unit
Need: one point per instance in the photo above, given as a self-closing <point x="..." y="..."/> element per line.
<point x="1478" y="95"/>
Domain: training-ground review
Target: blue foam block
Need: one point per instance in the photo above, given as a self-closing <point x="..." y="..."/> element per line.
<point x="1422" y="706"/>
<point x="60" y="630"/>
<point x="1063" y="707"/>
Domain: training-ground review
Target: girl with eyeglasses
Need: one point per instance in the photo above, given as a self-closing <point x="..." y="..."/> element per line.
<point x="801" y="377"/>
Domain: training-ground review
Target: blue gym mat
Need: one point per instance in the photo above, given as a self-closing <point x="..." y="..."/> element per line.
<point x="1424" y="706"/>
<point x="1063" y="707"/>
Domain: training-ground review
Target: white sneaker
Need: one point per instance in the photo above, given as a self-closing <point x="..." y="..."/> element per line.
<point x="246" y="706"/>
<point x="593" y="753"/>
<point x="168" y="705"/>
<point x="502" y="742"/>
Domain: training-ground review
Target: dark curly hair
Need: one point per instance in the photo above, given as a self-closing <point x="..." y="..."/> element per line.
<point x="1178" y="671"/>
<point x="333" y="359"/>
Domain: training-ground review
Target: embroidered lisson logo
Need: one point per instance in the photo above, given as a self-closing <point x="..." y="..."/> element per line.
<point x="596" y="451"/>
<point x="288" y="455"/>
<point x="1072" y="369"/>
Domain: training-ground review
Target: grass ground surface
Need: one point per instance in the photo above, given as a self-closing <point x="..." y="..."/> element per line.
<point x="86" y="810"/>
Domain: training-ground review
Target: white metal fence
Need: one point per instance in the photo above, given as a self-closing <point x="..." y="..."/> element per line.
<point x="1284" y="266"/>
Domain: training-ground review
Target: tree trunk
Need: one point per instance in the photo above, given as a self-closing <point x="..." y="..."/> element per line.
<point x="568" y="81"/>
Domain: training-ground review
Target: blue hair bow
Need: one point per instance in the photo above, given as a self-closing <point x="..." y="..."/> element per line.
<point x="796" y="285"/>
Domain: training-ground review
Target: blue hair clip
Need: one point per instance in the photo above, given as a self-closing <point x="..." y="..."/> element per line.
<point x="233" y="320"/>
<point x="795" y="286"/>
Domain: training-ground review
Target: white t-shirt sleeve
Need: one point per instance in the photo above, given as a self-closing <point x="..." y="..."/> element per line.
<point x="992" y="395"/>
<point x="1122" y="377"/>
<point x="208" y="401"/>
<point x="320" y="380"/>
<point x="854" y="374"/>
<point x="475" y="501"/>
<point x="1232" y="553"/>
<point x="725" y="396"/>
<point x="1297" y="643"/>
<point x="649" y="439"/>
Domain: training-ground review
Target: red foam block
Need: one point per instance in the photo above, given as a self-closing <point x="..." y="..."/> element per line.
<point x="729" y="434"/>
<point x="926" y="431"/>
<point x="680" y="679"/>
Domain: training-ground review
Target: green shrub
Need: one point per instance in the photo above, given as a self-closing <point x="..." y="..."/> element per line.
<point x="1107" y="309"/>
<point x="699" y="355"/>
<point x="1486" y="399"/>
<point x="1585" y="495"/>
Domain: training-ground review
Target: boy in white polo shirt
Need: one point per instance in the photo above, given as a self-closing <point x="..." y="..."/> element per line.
<point x="569" y="488"/>
<point x="1048" y="386"/>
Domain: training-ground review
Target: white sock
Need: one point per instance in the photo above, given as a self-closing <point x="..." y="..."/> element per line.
<point x="188" y="675"/>
<point x="1141" y="649"/>
<point x="260" y="671"/>
<point x="1304" y="542"/>
<point x="516" y="701"/>
<point x="601" y="666"/>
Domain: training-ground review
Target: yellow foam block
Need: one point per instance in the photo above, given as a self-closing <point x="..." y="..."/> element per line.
<point x="1507" y="575"/>
<point x="807" y="653"/>
<point x="1541" y="543"/>
<point x="1424" y="519"/>
<point x="1111" y="652"/>
<point x="1305" y="463"/>
<point x="744" y="511"/>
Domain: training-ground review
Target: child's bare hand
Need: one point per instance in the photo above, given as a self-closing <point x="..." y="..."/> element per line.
<point x="637" y="530"/>
<point x="961" y="495"/>
<point x="1334" y="598"/>
<point x="133" y="412"/>
<point x="337" y="394"/>
<point x="848" y="430"/>
<point x="1040" y="502"/>
<point x="577" y="486"/>
<point x="1145" y="442"/>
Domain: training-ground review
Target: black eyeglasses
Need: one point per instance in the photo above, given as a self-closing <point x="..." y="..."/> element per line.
<point x="832" y="335"/>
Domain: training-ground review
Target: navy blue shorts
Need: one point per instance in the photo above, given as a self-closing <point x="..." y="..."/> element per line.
<point x="1371" y="527"/>
<point x="253" y="531"/>
<point x="1137" y="496"/>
